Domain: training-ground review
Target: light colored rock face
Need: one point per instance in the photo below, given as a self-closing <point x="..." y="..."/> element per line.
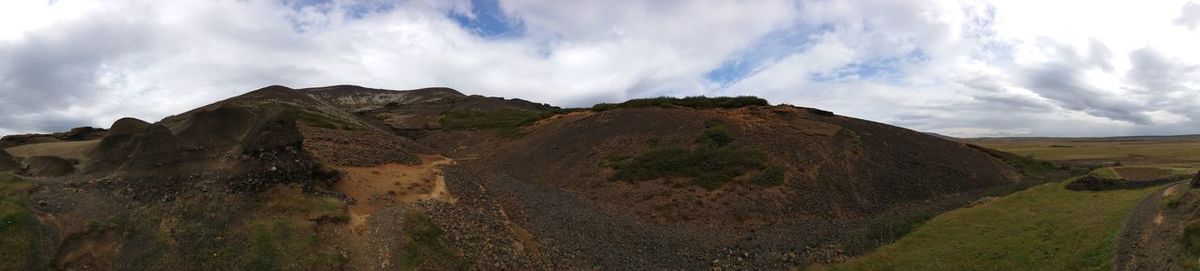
<point x="352" y="98"/>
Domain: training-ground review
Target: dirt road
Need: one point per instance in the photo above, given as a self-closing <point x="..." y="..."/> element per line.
<point x="1149" y="240"/>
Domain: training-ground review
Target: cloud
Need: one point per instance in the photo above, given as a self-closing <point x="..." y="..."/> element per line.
<point x="959" y="67"/>
<point x="1190" y="15"/>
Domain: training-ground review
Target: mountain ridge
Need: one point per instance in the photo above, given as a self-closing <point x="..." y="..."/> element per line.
<point x="684" y="182"/>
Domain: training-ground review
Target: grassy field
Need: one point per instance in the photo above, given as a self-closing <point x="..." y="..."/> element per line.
<point x="1182" y="154"/>
<point x="1043" y="228"/>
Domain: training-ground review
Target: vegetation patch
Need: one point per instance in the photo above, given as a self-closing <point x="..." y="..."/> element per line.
<point x="1044" y="171"/>
<point x="1172" y="200"/>
<point x="710" y="165"/>
<point x="291" y="199"/>
<point x="698" y="102"/>
<point x="273" y="230"/>
<point x="1046" y="227"/>
<point x="425" y="248"/>
<point x="20" y="234"/>
<point x="318" y="120"/>
<point x="1106" y="172"/>
<point x="771" y="176"/>
<point x="285" y="243"/>
<point x="505" y="122"/>
<point x="1191" y="238"/>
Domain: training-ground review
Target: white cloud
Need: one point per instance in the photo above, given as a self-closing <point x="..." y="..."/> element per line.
<point x="960" y="67"/>
<point x="1001" y="67"/>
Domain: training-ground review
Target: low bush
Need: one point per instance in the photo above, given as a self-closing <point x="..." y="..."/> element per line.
<point x="715" y="135"/>
<point x="769" y="177"/>
<point x="505" y="122"/>
<point x="709" y="167"/>
<point x="699" y="102"/>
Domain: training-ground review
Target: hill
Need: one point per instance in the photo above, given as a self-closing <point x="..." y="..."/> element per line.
<point x="347" y="177"/>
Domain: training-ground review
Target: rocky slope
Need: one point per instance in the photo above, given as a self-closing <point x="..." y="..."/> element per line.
<point x="347" y="177"/>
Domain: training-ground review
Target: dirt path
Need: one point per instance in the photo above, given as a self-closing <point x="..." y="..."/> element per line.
<point x="389" y="184"/>
<point x="372" y="239"/>
<point x="1149" y="239"/>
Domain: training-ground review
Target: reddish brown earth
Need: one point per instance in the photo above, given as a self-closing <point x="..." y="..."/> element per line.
<point x="346" y="177"/>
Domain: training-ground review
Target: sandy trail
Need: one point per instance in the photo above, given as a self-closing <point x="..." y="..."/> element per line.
<point x="380" y="186"/>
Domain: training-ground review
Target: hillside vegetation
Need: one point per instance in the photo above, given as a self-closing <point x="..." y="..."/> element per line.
<point x="711" y="164"/>
<point x="20" y="236"/>
<point x="1044" y="228"/>
<point x="698" y="102"/>
<point x="508" y="122"/>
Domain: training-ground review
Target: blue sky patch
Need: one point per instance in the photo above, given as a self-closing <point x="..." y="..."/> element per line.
<point x="489" y="21"/>
<point x="887" y="69"/>
<point x="766" y="50"/>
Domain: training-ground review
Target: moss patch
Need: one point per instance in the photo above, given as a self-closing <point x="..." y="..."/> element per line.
<point x="20" y="233"/>
<point x="425" y="249"/>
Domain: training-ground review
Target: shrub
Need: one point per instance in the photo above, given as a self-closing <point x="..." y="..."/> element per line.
<point x="506" y="122"/>
<point x="768" y="177"/>
<point x="709" y="167"/>
<point x="699" y="102"/>
<point x="715" y="135"/>
<point x="854" y="137"/>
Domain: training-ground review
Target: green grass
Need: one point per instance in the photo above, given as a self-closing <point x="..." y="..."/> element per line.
<point x="699" y="102"/>
<point x="20" y="233"/>
<point x="1191" y="238"/>
<point x="1043" y="228"/>
<point x="505" y="122"/>
<point x="1044" y="171"/>
<point x="1164" y="153"/>
<point x="1106" y="172"/>
<point x="425" y="246"/>
<point x="284" y="243"/>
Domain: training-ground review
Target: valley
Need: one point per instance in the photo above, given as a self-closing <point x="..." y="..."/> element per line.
<point x="353" y="178"/>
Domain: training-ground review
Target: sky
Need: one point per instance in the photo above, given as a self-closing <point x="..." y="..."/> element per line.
<point x="959" y="68"/>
